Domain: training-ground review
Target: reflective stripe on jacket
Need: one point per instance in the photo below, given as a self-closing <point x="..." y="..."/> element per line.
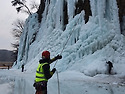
<point x="40" y="76"/>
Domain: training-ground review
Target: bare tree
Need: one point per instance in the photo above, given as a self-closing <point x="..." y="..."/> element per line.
<point x="18" y="28"/>
<point x="19" y="24"/>
<point x="16" y="32"/>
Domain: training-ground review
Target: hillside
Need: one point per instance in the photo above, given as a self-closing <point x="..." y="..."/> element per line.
<point x="6" y="56"/>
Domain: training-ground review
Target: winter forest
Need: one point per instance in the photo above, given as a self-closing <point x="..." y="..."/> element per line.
<point x="87" y="33"/>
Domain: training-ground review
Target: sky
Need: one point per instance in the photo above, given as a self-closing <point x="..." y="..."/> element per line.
<point x="8" y="15"/>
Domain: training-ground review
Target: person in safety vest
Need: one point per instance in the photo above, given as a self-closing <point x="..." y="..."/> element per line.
<point x="43" y="72"/>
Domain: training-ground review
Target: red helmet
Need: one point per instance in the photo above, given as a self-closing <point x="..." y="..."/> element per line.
<point x="46" y="54"/>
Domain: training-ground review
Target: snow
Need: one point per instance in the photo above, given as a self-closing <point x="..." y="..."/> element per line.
<point x="85" y="49"/>
<point x="5" y="86"/>
<point x="71" y="82"/>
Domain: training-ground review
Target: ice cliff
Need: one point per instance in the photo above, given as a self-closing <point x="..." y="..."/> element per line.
<point x="90" y="45"/>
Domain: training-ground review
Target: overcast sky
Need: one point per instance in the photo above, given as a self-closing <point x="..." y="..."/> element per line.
<point x="8" y="15"/>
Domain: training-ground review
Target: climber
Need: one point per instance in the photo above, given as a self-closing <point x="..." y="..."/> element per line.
<point x="22" y="67"/>
<point x="43" y="72"/>
<point x="110" y="65"/>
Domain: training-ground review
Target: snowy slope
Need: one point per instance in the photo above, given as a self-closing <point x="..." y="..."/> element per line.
<point x="83" y="67"/>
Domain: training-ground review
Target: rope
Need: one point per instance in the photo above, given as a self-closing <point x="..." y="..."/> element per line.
<point x="64" y="46"/>
<point x="58" y="82"/>
<point x="65" y="43"/>
<point x="56" y="63"/>
<point x="57" y="60"/>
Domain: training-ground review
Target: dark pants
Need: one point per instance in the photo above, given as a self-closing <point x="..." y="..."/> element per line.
<point x="109" y="70"/>
<point x="41" y="87"/>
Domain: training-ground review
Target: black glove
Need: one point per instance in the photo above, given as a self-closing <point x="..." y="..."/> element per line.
<point x="58" y="57"/>
<point x="34" y="85"/>
<point x="53" y="70"/>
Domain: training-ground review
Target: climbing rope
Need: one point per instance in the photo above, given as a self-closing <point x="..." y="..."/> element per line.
<point x="64" y="46"/>
<point x="58" y="82"/>
<point x="56" y="63"/>
<point x="57" y="60"/>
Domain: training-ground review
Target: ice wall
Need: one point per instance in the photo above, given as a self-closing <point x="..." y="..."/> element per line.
<point x="99" y="37"/>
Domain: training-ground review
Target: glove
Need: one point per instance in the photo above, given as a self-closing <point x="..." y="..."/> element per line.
<point x="34" y="85"/>
<point x="53" y="70"/>
<point x="58" y="57"/>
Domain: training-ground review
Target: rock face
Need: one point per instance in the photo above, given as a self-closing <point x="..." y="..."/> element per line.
<point x="80" y="5"/>
<point x="121" y="6"/>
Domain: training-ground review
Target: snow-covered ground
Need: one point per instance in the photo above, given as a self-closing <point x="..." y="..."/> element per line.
<point x="6" y="87"/>
<point x="70" y="82"/>
<point x="83" y="68"/>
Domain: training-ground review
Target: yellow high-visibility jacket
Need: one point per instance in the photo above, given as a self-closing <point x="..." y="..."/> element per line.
<point x="40" y="72"/>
